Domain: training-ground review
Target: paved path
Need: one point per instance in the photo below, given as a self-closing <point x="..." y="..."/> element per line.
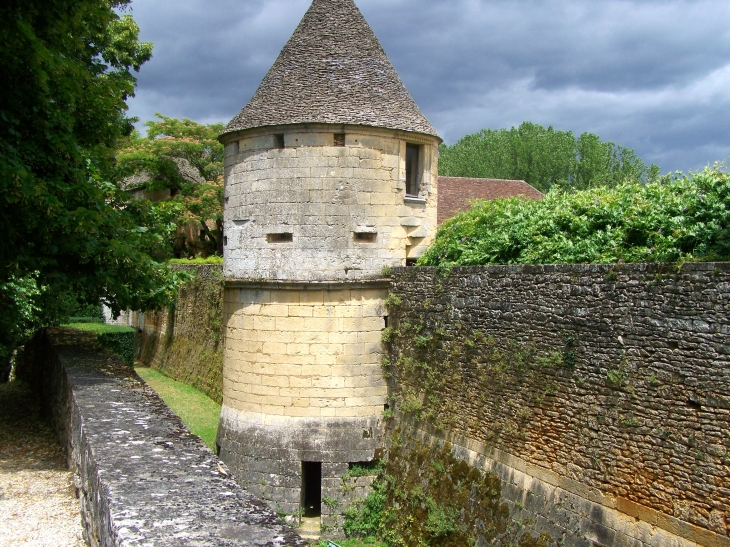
<point x="38" y="506"/>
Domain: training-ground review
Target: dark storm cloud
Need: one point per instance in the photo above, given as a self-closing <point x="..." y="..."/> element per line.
<point x="651" y="75"/>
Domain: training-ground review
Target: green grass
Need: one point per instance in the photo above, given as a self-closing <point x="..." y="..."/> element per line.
<point x="99" y="328"/>
<point x="199" y="413"/>
<point x="369" y="542"/>
<point x="209" y="260"/>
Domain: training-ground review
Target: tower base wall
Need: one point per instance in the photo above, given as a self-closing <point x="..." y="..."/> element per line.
<point x="302" y="383"/>
<point x="267" y="458"/>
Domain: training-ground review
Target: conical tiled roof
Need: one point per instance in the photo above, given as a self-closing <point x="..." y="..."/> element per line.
<point x="333" y="70"/>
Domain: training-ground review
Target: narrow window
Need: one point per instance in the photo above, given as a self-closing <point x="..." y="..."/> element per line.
<point x="312" y="489"/>
<point x="279" y="141"/>
<point x="280" y="238"/>
<point x="339" y="139"/>
<point x="365" y="237"/>
<point x="413" y="152"/>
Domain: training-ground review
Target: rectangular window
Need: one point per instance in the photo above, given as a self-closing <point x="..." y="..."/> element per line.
<point x="280" y="238"/>
<point x="413" y="177"/>
<point x="279" y="142"/>
<point x="339" y="139"/>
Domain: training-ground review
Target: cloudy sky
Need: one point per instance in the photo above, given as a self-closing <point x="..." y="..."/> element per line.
<point x="653" y="75"/>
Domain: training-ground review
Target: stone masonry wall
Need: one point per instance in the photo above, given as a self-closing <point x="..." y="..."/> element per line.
<point x="607" y="384"/>
<point x="302" y="383"/>
<point x="344" y="208"/>
<point x="142" y="478"/>
<point x="186" y="342"/>
<point x="307" y="351"/>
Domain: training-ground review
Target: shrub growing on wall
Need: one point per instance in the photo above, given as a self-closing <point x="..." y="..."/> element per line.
<point x="675" y="219"/>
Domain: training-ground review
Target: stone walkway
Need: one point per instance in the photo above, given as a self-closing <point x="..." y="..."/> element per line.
<point x="38" y="506"/>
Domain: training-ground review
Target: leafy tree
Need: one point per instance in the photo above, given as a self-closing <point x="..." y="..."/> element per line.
<point x="674" y="219"/>
<point x="186" y="158"/>
<point x="66" y="68"/>
<point x="543" y="158"/>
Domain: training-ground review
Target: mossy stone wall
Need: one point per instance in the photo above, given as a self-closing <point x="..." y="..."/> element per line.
<point x="186" y="342"/>
<point x="610" y="383"/>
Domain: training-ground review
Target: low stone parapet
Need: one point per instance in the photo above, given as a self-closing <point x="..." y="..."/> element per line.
<point x="142" y="477"/>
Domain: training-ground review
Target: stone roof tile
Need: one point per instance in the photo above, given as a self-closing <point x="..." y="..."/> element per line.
<point x="333" y="70"/>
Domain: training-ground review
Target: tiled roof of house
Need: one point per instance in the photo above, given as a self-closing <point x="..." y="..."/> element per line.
<point x="455" y="194"/>
<point x="333" y="70"/>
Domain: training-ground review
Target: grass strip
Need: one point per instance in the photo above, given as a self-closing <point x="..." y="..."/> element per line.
<point x="100" y="328"/>
<point x="197" y="411"/>
<point x="369" y="542"/>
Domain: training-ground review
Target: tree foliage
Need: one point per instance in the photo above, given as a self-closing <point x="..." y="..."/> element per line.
<point x="186" y="158"/>
<point x="67" y="69"/>
<point x="543" y="158"/>
<point x="674" y="219"/>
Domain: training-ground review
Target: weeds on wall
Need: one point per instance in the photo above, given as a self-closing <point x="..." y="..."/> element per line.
<point x="430" y="364"/>
<point x="426" y="497"/>
<point x="191" y="351"/>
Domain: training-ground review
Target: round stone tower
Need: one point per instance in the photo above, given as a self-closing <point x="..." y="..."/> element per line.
<point x="331" y="173"/>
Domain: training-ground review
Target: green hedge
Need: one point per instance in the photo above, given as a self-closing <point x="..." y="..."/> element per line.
<point x="209" y="260"/>
<point x="97" y="320"/>
<point x="115" y="338"/>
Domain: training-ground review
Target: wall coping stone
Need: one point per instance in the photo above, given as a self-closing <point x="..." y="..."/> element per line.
<point x="144" y="479"/>
<point x="647" y="267"/>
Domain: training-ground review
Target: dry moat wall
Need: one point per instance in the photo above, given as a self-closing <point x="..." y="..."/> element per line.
<point x="594" y="400"/>
<point x="574" y="405"/>
<point x="142" y="479"/>
<point x="186" y="341"/>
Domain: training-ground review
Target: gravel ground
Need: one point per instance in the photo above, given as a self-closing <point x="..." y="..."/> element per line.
<point x="38" y="505"/>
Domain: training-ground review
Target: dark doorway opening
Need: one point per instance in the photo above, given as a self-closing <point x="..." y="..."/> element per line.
<point x="312" y="489"/>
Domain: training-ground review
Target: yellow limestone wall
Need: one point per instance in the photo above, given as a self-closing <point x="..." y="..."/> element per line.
<point x="323" y="194"/>
<point x="305" y="351"/>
